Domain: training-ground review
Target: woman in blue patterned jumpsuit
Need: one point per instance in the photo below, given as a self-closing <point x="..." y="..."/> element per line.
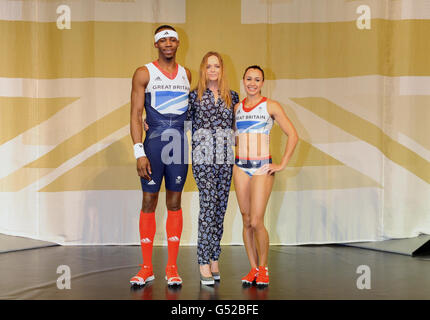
<point x="211" y="112"/>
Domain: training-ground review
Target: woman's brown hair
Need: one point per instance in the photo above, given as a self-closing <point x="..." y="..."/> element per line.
<point x="222" y="79"/>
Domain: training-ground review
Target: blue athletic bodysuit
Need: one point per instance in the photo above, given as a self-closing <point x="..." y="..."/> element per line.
<point x="166" y="145"/>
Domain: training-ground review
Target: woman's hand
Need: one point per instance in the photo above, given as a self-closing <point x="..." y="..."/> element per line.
<point x="271" y="168"/>
<point x="145" y="125"/>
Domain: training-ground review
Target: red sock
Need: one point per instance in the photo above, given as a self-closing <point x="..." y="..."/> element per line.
<point x="147" y="233"/>
<point x="174" y="231"/>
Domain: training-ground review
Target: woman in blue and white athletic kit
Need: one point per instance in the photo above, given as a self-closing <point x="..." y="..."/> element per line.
<point x="253" y="172"/>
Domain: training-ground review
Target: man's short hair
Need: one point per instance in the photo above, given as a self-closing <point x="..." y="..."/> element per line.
<point x="164" y="26"/>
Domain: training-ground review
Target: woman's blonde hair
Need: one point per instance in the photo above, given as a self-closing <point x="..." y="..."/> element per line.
<point x="222" y="79"/>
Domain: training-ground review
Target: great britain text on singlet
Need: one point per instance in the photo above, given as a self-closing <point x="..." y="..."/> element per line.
<point x="170" y="87"/>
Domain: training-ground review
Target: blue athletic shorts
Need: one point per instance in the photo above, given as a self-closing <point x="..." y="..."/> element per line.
<point x="174" y="173"/>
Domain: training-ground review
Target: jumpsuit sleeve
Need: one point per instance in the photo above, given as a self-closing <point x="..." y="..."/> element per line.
<point x="234" y="101"/>
<point x="191" y="107"/>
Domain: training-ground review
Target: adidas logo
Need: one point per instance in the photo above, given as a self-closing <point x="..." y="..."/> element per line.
<point x="174" y="238"/>
<point x="157" y="79"/>
<point x="167" y="32"/>
<point x="145" y="240"/>
<point x="178" y="179"/>
<point x="151" y="182"/>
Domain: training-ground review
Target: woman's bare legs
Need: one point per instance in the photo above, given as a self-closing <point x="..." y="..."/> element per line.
<point x="260" y="190"/>
<point x="242" y="185"/>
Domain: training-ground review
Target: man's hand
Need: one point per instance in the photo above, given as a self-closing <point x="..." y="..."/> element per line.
<point x="144" y="168"/>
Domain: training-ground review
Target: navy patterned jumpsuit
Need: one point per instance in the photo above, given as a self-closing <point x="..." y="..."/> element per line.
<point x="212" y="158"/>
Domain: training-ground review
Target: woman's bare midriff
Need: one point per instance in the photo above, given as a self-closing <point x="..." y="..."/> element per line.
<point x="252" y="145"/>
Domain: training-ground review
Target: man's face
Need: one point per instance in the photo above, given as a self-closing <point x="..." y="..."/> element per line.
<point x="167" y="46"/>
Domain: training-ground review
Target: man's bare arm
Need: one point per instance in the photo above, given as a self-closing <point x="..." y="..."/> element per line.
<point x="139" y="83"/>
<point x="188" y="75"/>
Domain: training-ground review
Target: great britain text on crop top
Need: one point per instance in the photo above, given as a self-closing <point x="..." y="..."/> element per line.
<point x="250" y="116"/>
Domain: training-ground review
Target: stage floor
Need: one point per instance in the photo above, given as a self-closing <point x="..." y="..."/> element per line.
<point x="296" y="272"/>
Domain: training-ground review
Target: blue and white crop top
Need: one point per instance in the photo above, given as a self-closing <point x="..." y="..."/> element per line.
<point x="166" y="98"/>
<point x="254" y="120"/>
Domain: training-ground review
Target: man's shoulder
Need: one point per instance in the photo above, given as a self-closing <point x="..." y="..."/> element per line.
<point x="141" y="70"/>
<point x="180" y="65"/>
<point x="141" y="76"/>
<point x="186" y="69"/>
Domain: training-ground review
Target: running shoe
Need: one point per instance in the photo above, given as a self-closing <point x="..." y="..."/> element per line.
<point x="172" y="276"/>
<point x="262" y="277"/>
<point x="250" y="277"/>
<point x="144" y="275"/>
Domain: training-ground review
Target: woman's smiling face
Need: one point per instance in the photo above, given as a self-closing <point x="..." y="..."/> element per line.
<point x="253" y="81"/>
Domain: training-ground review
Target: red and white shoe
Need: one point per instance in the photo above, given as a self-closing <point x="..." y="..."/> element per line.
<point x="172" y="276"/>
<point x="262" y="277"/>
<point x="250" y="277"/>
<point x="144" y="275"/>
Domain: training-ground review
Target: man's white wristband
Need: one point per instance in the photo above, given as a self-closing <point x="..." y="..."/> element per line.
<point x="139" y="151"/>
